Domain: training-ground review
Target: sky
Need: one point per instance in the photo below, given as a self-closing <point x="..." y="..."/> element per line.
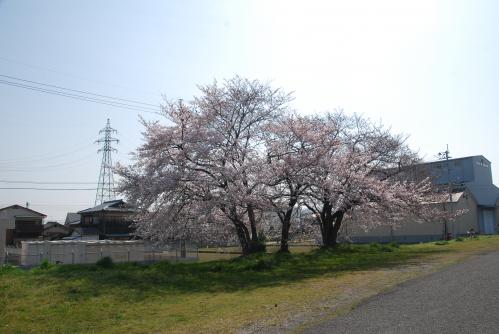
<point x="426" y="69"/>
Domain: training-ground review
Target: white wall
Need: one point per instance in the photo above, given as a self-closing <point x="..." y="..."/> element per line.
<point x="78" y="251"/>
<point x="5" y="223"/>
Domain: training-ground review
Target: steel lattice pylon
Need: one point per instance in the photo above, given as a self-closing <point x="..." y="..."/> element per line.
<point x="105" y="188"/>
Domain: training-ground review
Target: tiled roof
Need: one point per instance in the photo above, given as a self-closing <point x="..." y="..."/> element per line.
<point x="72" y="217"/>
<point x="116" y="206"/>
<point x="16" y="206"/>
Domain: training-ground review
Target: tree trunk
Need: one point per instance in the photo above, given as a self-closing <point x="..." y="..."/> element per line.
<point x="286" y="223"/>
<point x="331" y="227"/>
<point x="244" y="238"/>
<point x="252" y="221"/>
<point x="247" y="245"/>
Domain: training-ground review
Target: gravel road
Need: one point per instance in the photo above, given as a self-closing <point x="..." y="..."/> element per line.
<point x="463" y="298"/>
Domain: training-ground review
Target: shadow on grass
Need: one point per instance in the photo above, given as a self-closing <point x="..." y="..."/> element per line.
<point x="138" y="281"/>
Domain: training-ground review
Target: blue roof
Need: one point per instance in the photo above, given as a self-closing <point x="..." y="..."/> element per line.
<point x="485" y="195"/>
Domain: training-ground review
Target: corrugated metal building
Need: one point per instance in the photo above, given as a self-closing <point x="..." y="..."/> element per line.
<point x="470" y="180"/>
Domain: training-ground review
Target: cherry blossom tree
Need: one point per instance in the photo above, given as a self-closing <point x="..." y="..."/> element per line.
<point x="368" y="172"/>
<point x="228" y="163"/>
<point x="200" y="176"/>
<point x="295" y="146"/>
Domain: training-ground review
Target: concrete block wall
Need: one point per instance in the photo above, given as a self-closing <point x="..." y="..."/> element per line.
<point x="73" y="252"/>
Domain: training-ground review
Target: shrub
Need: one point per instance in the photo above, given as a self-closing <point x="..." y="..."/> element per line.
<point x="441" y="243"/>
<point x="105" y="262"/>
<point x="6" y="268"/>
<point x="394" y="244"/>
<point x="386" y="248"/>
<point x="459" y="239"/>
<point x="377" y="247"/>
<point x="45" y="264"/>
<point x="258" y="247"/>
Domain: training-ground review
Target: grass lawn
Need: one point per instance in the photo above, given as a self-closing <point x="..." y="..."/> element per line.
<point x="227" y="253"/>
<point x="282" y="291"/>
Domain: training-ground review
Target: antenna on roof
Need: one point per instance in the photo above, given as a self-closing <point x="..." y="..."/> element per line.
<point x="445" y="155"/>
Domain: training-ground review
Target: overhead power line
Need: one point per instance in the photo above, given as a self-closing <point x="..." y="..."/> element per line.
<point x="80" y="97"/>
<point x="51" y="154"/>
<point x="78" y="91"/>
<point x="65" y="92"/>
<point x="50" y="205"/>
<point x="51" y="189"/>
<point x="38" y="182"/>
<point x="63" y="165"/>
<point x="70" y="75"/>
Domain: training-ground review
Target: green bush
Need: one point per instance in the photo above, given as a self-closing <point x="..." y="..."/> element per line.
<point x="459" y="239"/>
<point x="387" y="248"/>
<point x="441" y="243"/>
<point x="45" y="264"/>
<point x="394" y="244"/>
<point x="105" y="262"/>
<point x="377" y="247"/>
<point x="6" y="268"/>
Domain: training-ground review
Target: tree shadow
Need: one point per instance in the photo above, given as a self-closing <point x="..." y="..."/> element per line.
<point x="138" y="281"/>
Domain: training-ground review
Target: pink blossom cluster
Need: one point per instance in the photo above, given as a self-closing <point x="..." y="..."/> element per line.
<point x="236" y="162"/>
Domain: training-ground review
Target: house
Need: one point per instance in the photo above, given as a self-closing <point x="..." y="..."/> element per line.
<point x="18" y="223"/>
<point x="55" y="231"/>
<point x="469" y="180"/>
<point x="27" y="224"/>
<point x="72" y="218"/>
<point x="109" y="220"/>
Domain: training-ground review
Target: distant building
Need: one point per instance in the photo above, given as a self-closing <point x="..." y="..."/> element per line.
<point x="109" y="220"/>
<point x="19" y="223"/>
<point x="474" y="175"/>
<point x="72" y="218"/>
<point x="28" y="224"/>
<point x="55" y="231"/>
<point x="472" y="188"/>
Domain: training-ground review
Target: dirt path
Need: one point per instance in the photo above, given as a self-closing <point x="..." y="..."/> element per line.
<point x="462" y="298"/>
<point x="342" y="293"/>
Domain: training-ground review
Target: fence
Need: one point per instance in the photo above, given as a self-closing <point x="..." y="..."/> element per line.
<point x="32" y="253"/>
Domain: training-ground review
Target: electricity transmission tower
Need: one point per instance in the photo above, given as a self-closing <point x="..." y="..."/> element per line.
<point x="105" y="188"/>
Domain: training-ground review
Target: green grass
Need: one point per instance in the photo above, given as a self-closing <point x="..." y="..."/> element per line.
<point x="227" y="253"/>
<point x="216" y="296"/>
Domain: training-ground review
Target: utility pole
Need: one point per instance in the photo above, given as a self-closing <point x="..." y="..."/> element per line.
<point x="445" y="156"/>
<point x="105" y="187"/>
